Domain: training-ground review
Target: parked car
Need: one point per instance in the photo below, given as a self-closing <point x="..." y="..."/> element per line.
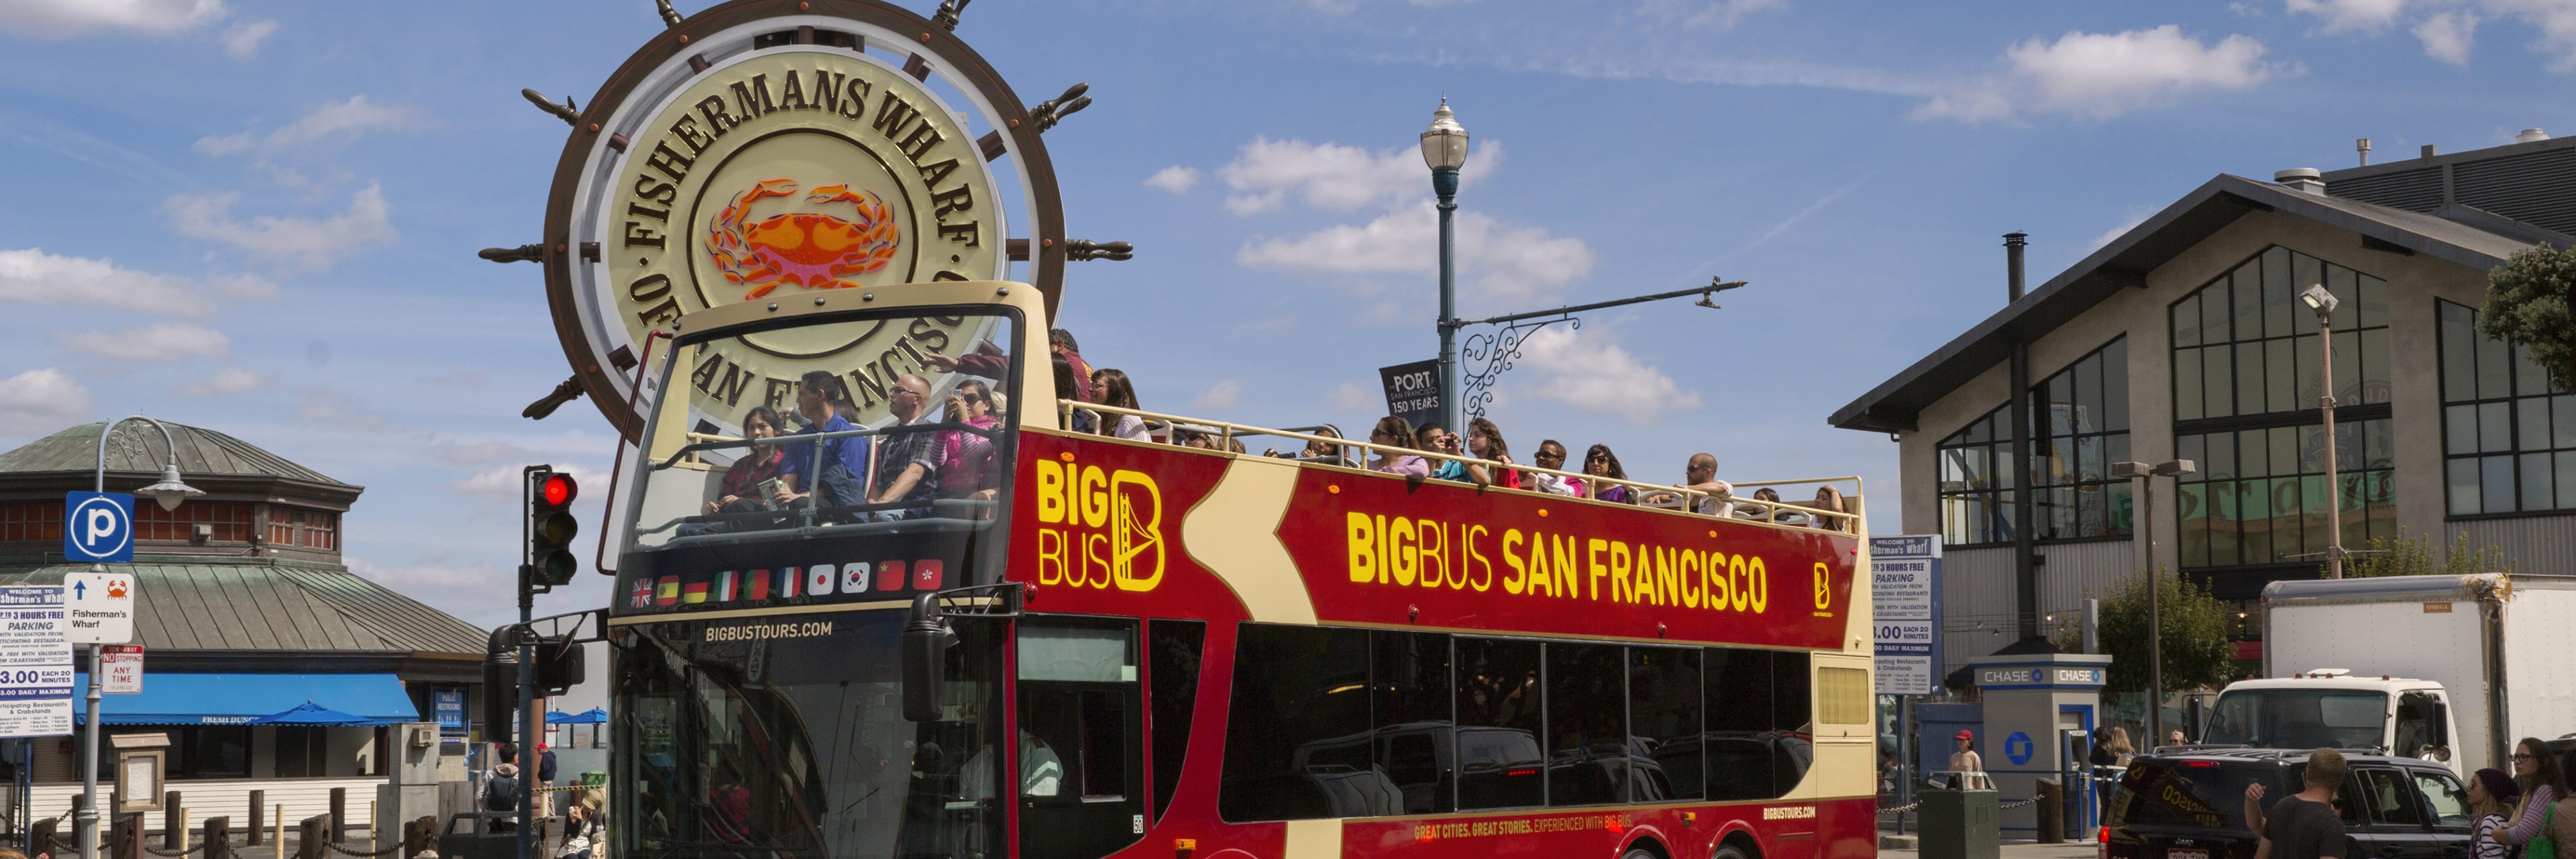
<point x="2191" y="805"/>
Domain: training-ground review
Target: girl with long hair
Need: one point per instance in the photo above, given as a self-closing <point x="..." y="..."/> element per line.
<point x="1110" y="388"/>
<point x="1392" y="430"/>
<point x="1599" y="462"/>
<point x="1485" y="441"/>
<point x="2536" y="771"/>
<point x="2491" y="795"/>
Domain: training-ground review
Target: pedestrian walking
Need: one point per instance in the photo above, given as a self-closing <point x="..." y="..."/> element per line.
<point x="2303" y="825"/>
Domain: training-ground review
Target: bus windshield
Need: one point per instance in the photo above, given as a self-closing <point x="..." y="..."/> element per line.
<point x="785" y="736"/>
<point x="775" y="445"/>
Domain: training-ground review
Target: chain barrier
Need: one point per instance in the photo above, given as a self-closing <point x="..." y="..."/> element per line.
<point x="1902" y="808"/>
<point x="2018" y="804"/>
<point x="335" y="848"/>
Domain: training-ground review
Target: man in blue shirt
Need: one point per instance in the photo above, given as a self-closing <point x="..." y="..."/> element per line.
<point x="844" y="459"/>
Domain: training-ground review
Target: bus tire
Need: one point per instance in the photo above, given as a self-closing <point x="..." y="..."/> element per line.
<point x="1728" y="851"/>
<point x="1642" y="853"/>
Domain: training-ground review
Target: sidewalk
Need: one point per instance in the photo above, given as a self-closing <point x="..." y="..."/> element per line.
<point x="2021" y="850"/>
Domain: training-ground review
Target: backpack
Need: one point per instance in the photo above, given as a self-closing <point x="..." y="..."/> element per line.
<point x="501" y="794"/>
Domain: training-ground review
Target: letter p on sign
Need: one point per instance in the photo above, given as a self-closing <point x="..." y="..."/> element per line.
<point x="98" y="527"/>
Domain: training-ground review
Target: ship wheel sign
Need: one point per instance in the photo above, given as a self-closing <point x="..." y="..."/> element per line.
<point x="767" y="149"/>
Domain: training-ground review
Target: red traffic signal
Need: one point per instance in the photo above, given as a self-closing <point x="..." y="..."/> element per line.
<point x="559" y="490"/>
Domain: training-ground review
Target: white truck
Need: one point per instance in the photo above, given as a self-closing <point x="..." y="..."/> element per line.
<point x="2448" y="668"/>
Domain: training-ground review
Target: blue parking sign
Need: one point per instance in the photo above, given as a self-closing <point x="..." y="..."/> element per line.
<point x="98" y="527"/>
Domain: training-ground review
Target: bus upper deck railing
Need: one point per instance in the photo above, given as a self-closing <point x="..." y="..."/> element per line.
<point x="1689" y="501"/>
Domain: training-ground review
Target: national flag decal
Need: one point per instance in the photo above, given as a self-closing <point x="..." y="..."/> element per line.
<point x="667" y="591"/>
<point x="728" y="587"/>
<point x="642" y="594"/>
<point x="759" y="584"/>
<point x="693" y="592"/>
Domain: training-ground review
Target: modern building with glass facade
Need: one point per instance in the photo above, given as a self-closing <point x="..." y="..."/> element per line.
<point x="2185" y="339"/>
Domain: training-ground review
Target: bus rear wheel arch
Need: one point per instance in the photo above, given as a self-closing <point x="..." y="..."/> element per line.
<point x="1738" y="845"/>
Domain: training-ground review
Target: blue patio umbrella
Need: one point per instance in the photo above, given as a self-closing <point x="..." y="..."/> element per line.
<point x="592" y="716"/>
<point x="309" y="713"/>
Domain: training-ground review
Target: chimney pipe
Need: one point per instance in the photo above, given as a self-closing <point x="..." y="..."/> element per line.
<point x="2362" y="146"/>
<point x="2530" y="134"/>
<point x="2427" y="151"/>
<point x="2305" y="179"/>
<point x="2013" y="243"/>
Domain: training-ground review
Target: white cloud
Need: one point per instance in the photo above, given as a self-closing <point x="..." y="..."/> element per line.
<point x="1334" y="177"/>
<point x="2135" y="218"/>
<point x="1176" y="179"/>
<point x="231" y="380"/>
<point x="2347" y="16"/>
<point x="41" y="401"/>
<point x="2449" y="36"/>
<point x="504" y="482"/>
<point x="423" y="578"/>
<point x="1591" y="373"/>
<point x="351" y="118"/>
<point x="1224" y="395"/>
<point x="1719" y="15"/>
<point x="2103" y="75"/>
<point x="241" y="41"/>
<point x="65" y="19"/>
<point x="329" y="405"/>
<point x="1355" y="397"/>
<point x="34" y="276"/>
<point x="297" y="242"/>
<point x="1496" y="261"/>
<point x="162" y="341"/>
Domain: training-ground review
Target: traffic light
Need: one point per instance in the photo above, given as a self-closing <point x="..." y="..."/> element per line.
<point x="551" y="527"/>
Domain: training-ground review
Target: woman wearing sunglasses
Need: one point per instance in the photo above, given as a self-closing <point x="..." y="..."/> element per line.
<point x="1393" y="431"/>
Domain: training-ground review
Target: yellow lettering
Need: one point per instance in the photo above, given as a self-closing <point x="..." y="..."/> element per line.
<point x="1592" y="563"/>
<point x="1093" y="489"/>
<point x="1051" y="506"/>
<point x="1622" y="588"/>
<point x="1435" y="550"/>
<point x="1688" y="570"/>
<point x="1520" y="571"/>
<point x="1093" y="559"/>
<point x="1385" y="537"/>
<point x="1735" y="578"/>
<point x="1401" y="552"/>
<point x="1051" y="558"/>
<point x="1363" y="547"/>
<point x="1720" y="588"/>
<point x="1474" y="531"/>
<point x="1562" y="559"/>
<point x="1761" y="585"/>
<point x="1668" y="578"/>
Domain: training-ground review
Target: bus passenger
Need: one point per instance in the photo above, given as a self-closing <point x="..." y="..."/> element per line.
<point x="1391" y="431"/>
<point x="1069" y="388"/>
<point x="819" y="402"/>
<point x="966" y="459"/>
<point x="1699" y="474"/>
<point x="744" y="490"/>
<point x="1551" y="454"/>
<point x="1110" y="388"/>
<point x="1830" y="500"/>
<point x="1486" y="441"/>
<point x="909" y="467"/>
<point x="1316" y="450"/>
<point x="1432" y="438"/>
<point x="1599" y="462"/>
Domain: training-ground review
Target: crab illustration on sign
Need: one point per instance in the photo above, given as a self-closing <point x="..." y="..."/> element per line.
<point x="815" y="250"/>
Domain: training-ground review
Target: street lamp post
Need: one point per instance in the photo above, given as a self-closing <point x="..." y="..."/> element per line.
<point x="2318" y="299"/>
<point x="1444" y="150"/>
<point x="2143" y="478"/>
<point x="167" y="492"/>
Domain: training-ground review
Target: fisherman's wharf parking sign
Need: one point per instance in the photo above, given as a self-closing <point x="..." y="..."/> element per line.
<point x="770" y="152"/>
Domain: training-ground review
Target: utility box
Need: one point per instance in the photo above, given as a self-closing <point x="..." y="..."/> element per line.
<point x="410" y="791"/>
<point x="1959" y="824"/>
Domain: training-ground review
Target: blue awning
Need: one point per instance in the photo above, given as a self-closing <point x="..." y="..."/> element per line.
<point x="236" y="699"/>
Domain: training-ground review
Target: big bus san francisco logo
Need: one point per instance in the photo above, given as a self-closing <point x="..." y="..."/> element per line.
<point x="1098" y="528"/>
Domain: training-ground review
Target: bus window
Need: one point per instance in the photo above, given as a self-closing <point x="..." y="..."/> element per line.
<point x="1792" y="715"/>
<point x="1297" y="742"/>
<point x="1498" y="758"/>
<point x="1664" y="706"/>
<point x="1080" y="738"/>
<point x="1172" y="653"/>
<point x="1739" y="739"/>
<point x="1588" y="748"/>
<point x="1409" y="712"/>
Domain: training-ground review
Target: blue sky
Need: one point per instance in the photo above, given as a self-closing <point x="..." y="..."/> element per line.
<point x="283" y="200"/>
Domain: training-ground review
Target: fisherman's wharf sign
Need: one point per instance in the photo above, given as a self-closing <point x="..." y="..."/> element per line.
<point x="766" y="152"/>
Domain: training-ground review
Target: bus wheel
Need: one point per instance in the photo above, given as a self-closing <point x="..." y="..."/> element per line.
<point x="1728" y="851"/>
<point x="1643" y="853"/>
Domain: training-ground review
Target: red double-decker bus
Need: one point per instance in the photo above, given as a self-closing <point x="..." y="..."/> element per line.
<point x="908" y="630"/>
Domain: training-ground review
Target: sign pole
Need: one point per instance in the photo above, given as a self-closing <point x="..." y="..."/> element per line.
<point x="87" y="819"/>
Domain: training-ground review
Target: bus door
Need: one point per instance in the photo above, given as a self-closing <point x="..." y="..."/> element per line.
<point x="1080" y="727"/>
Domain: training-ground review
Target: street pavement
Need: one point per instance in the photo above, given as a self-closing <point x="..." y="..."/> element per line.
<point x="2021" y="850"/>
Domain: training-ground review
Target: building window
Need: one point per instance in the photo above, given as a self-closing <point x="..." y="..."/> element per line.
<point x="2083" y="426"/>
<point x="228" y="522"/>
<point x="40" y="521"/>
<point x="1976" y="481"/>
<point x="2244" y="345"/>
<point x="2508" y="438"/>
<point x="2246" y="392"/>
<point x="308" y="529"/>
<point x="2080" y="420"/>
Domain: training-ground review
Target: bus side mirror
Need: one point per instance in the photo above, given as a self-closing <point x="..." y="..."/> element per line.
<point x="926" y="639"/>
